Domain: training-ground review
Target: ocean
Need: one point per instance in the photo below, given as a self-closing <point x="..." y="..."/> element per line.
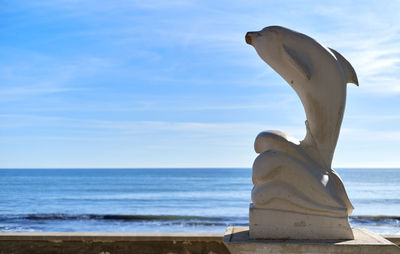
<point x="167" y="200"/>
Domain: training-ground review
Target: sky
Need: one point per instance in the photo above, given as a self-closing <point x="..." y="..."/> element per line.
<point x="128" y="84"/>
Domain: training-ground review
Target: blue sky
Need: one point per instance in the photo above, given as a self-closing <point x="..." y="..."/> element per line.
<point x="173" y="83"/>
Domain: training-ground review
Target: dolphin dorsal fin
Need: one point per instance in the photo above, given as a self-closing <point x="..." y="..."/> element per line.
<point x="349" y="71"/>
<point x="297" y="62"/>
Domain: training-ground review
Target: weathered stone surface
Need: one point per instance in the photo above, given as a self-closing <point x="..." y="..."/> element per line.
<point x="122" y="243"/>
<point x="294" y="176"/>
<point x="110" y="243"/>
<point x="238" y="242"/>
<point x="271" y="224"/>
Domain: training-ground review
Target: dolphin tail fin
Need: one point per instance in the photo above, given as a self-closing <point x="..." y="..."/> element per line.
<point x="349" y="71"/>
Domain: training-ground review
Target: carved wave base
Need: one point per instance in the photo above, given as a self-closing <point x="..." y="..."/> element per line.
<point x="277" y="224"/>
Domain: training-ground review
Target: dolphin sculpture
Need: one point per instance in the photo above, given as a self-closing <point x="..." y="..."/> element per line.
<point x="294" y="179"/>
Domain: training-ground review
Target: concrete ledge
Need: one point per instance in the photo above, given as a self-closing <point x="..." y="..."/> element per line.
<point x="238" y="241"/>
<point x="116" y="243"/>
<point x="393" y="238"/>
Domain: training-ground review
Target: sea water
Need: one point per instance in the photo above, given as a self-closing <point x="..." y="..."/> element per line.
<point x="167" y="200"/>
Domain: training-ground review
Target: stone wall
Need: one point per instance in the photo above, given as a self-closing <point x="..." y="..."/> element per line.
<point x="110" y="243"/>
<point x="117" y="243"/>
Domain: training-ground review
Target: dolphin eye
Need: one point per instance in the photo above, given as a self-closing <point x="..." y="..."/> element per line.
<point x="271" y="28"/>
<point x="273" y="31"/>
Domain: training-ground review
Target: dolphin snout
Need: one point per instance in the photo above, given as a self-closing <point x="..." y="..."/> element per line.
<point x="250" y="36"/>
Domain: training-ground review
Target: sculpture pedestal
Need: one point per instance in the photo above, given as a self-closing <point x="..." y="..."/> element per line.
<point x="237" y="241"/>
<point x="272" y="224"/>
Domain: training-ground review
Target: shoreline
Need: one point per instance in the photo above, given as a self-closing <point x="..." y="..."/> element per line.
<point x="153" y="224"/>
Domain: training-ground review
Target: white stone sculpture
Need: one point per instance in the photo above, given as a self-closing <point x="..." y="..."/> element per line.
<point x="296" y="194"/>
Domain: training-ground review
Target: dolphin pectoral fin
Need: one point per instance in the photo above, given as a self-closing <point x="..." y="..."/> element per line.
<point x="297" y="62"/>
<point x="274" y="140"/>
<point x="349" y="71"/>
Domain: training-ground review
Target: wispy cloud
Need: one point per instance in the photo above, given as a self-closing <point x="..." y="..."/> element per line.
<point x="368" y="135"/>
<point x="6" y="93"/>
<point x="45" y="75"/>
<point x="375" y="117"/>
<point x="370" y="40"/>
<point x="137" y="127"/>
